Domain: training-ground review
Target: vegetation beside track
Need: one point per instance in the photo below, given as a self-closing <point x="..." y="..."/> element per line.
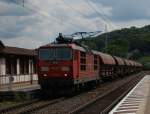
<point x="132" y="43"/>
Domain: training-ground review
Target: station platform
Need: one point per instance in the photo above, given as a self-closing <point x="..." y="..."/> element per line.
<point x="20" y="87"/>
<point x="137" y="101"/>
<point x="23" y="90"/>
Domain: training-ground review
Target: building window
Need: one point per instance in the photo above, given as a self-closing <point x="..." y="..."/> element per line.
<point x="24" y="66"/>
<point x="82" y="61"/>
<point x="95" y="62"/>
<point x="34" y="66"/>
<point x="11" y="66"/>
<point x="21" y="66"/>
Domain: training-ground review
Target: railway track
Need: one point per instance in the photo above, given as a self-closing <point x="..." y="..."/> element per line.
<point x="29" y="107"/>
<point x="79" y="104"/>
<point x="13" y="107"/>
<point x="104" y="103"/>
<point x="104" y="97"/>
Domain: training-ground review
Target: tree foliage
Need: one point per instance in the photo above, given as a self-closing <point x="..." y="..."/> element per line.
<point x="118" y="48"/>
<point x="133" y="43"/>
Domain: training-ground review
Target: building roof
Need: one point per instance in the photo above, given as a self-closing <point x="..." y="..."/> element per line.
<point x="18" y="51"/>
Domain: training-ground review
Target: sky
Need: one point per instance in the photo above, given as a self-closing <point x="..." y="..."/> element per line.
<point x="38" y="22"/>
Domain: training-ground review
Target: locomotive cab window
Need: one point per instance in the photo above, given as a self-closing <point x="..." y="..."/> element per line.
<point x="55" y="54"/>
<point x="82" y="61"/>
<point x="46" y="54"/>
<point x="63" y="53"/>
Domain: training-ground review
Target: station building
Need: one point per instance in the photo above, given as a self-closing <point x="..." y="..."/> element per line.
<point x="17" y="67"/>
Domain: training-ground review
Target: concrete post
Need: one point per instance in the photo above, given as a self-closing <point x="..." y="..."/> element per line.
<point x="30" y="71"/>
<point x="30" y="67"/>
<point x="18" y="66"/>
<point x="2" y="66"/>
<point x="2" y="70"/>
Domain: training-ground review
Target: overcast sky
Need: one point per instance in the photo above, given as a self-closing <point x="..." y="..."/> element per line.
<point x="40" y="21"/>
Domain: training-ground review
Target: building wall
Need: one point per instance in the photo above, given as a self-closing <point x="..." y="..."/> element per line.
<point x="11" y="72"/>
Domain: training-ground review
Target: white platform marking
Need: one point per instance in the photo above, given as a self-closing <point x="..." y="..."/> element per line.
<point x="135" y="101"/>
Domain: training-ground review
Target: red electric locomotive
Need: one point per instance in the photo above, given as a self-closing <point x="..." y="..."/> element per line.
<point x="66" y="66"/>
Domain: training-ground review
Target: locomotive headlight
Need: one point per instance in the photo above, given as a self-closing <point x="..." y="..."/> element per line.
<point x="45" y="75"/>
<point x="65" y="68"/>
<point x="44" y="69"/>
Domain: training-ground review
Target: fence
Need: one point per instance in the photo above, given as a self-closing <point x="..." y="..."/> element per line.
<point x="12" y="79"/>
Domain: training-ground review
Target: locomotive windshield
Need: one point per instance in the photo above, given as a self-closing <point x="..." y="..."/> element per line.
<point x="55" y="54"/>
<point x="46" y="54"/>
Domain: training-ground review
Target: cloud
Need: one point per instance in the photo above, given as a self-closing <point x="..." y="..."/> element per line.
<point x="24" y="42"/>
<point x="127" y="10"/>
<point x="40" y="21"/>
<point x="11" y="9"/>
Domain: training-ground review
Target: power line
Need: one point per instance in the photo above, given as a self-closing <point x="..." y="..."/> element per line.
<point x="72" y="8"/>
<point x="43" y="14"/>
<point x="100" y="14"/>
<point x="82" y="14"/>
<point x="93" y="8"/>
<point x="40" y="13"/>
<point x="105" y="19"/>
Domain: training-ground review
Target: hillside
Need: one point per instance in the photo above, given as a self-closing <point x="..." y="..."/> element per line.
<point x="132" y="43"/>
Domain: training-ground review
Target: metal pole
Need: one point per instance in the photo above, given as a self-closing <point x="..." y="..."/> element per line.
<point x="106" y="39"/>
<point x="23" y="3"/>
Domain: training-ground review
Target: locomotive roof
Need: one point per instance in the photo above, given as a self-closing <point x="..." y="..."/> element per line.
<point x="72" y="45"/>
<point x="119" y="60"/>
<point x="106" y="58"/>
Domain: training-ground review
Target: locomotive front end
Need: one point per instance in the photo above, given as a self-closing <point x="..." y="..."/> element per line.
<point x="55" y="66"/>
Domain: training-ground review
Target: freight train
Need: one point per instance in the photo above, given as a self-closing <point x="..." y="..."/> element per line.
<point x="66" y="66"/>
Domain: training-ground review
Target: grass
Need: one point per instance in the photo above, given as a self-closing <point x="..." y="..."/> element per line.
<point x="146" y="61"/>
<point x="16" y="99"/>
<point x="7" y="103"/>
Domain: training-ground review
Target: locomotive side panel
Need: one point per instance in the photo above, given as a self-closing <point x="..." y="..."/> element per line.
<point x="86" y="69"/>
<point x="75" y="64"/>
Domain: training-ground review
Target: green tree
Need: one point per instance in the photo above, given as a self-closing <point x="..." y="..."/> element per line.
<point x="118" y="48"/>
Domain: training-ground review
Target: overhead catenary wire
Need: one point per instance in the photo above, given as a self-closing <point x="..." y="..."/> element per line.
<point x="72" y="8"/>
<point x="76" y="10"/>
<point x="46" y="16"/>
<point x="104" y="18"/>
<point x="95" y="10"/>
<point x="107" y="21"/>
<point x="60" y="20"/>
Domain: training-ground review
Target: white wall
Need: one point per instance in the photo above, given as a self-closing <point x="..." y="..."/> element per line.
<point x="2" y="66"/>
